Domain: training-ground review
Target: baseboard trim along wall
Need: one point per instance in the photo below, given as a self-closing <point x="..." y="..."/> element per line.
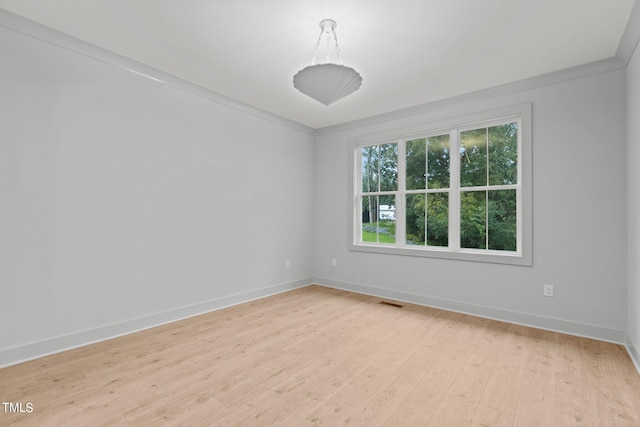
<point x="23" y="353"/>
<point x="633" y="353"/>
<point x="547" y="323"/>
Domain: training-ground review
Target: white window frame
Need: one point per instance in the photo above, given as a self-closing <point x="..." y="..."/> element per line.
<point x="524" y="224"/>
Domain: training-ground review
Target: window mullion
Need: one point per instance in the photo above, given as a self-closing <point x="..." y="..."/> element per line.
<point x="377" y="204"/>
<point x="454" y="194"/>
<point x="357" y="199"/>
<point x="519" y="201"/>
<point x="401" y="205"/>
<point x="486" y="193"/>
<point x="379" y="158"/>
<point x="426" y="187"/>
<point x="486" y="219"/>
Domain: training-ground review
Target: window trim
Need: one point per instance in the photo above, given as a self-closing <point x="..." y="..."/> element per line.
<point x="524" y="254"/>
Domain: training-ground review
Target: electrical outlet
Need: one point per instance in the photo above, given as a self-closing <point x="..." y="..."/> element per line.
<point x="334" y="262"/>
<point x="547" y="290"/>
<point x="287" y="264"/>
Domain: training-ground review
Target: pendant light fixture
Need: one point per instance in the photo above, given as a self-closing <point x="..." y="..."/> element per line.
<point x="327" y="82"/>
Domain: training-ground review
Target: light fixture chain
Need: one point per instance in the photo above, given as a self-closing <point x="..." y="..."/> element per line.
<point x="328" y="46"/>
<point x="329" y="30"/>
<point x="335" y="37"/>
<point x="315" y="54"/>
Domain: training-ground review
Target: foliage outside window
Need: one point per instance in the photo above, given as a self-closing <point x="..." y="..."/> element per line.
<point x="454" y="190"/>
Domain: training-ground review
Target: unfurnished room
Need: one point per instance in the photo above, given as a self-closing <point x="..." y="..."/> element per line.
<point x="322" y="213"/>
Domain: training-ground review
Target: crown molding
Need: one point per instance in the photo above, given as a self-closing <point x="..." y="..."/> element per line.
<point x="577" y="72"/>
<point x="628" y="43"/>
<point x="630" y="37"/>
<point x="43" y="33"/>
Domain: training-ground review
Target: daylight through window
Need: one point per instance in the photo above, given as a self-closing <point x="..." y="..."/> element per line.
<point x="454" y="190"/>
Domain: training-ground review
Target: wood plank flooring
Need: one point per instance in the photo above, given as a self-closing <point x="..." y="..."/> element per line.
<point x="322" y="357"/>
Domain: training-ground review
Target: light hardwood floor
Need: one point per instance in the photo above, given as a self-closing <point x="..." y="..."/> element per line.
<point x="320" y="356"/>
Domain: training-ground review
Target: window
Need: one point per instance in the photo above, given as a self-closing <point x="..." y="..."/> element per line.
<point x="461" y="191"/>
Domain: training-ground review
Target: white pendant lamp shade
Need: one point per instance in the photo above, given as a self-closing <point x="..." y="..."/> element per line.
<point x="327" y="83"/>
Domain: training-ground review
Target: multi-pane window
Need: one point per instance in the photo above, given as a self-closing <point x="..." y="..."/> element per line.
<point x="379" y="189"/>
<point x="456" y="190"/>
<point x="428" y="171"/>
<point x="488" y="187"/>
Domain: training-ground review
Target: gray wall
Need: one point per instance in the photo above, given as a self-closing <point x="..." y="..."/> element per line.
<point x="126" y="202"/>
<point x="578" y="227"/>
<point x="633" y="206"/>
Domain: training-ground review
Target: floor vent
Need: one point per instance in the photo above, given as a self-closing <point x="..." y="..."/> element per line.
<point x="392" y="304"/>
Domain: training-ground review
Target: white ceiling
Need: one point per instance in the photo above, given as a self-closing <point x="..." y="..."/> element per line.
<point x="409" y="52"/>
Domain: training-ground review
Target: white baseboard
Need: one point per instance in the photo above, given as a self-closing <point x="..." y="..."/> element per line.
<point x="23" y="353"/>
<point x="633" y="353"/>
<point x="540" y="322"/>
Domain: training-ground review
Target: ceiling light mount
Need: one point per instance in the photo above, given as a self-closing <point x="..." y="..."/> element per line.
<point x="327" y="82"/>
<point x="328" y="25"/>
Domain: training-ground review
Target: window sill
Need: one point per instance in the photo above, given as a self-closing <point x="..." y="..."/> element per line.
<point x="496" y="257"/>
